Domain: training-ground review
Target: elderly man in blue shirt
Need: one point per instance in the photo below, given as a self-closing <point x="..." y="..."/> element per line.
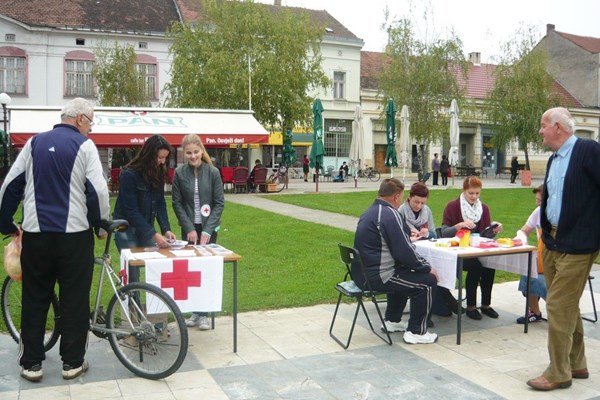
<point x="570" y="223"/>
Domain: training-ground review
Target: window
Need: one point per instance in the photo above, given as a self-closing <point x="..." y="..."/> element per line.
<point x="147" y="67"/>
<point x="339" y="85"/>
<point x="80" y="42"/>
<point x="337" y="138"/>
<point x="79" y="81"/>
<point x="12" y="70"/>
<point x="10" y="37"/>
<point x="142" y="45"/>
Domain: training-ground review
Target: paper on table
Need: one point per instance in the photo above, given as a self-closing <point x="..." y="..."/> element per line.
<point x="148" y="255"/>
<point x="184" y="253"/>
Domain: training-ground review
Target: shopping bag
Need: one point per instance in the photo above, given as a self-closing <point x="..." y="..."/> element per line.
<point x="12" y="258"/>
<point x="449" y="172"/>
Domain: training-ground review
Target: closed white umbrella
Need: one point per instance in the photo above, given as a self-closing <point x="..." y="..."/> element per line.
<point x="356" y="145"/>
<point x="453" y="157"/>
<point x="404" y="140"/>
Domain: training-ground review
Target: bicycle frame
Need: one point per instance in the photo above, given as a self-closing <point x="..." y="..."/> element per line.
<point x="115" y="281"/>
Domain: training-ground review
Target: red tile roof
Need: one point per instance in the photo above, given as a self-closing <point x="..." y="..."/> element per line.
<point x="479" y="82"/>
<point x="587" y="43"/>
<point x="191" y="11"/>
<point x="104" y="15"/>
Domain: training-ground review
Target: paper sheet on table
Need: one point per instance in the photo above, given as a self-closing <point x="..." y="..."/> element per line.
<point x="183" y="253"/>
<point x="147" y="255"/>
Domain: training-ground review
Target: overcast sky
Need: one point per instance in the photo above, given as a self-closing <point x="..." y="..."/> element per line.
<point x="481" y="24"/>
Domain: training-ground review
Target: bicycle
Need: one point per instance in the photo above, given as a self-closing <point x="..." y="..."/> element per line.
<point x="279" y="178"/>
<point x="143" y="324"/>
<point x="369" y="173"/>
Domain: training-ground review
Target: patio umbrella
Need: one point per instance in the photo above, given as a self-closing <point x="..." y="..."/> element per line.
<point x="318" y="150"/>
<point x="390" y="127"/>
<point x="356" y="146"/>
<point x="453" y="157"/>
<point x="404" y="139"/>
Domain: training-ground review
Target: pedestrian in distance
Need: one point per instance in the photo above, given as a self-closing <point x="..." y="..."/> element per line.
<point x="435" y="167"/>
<point x="570" y="224"/>
<point x="58" y="177"/>
<point x="444" y="168"/>
<point x="514" y="169"/>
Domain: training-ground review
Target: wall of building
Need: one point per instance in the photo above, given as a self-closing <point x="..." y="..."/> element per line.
<point x="575" y="68"/>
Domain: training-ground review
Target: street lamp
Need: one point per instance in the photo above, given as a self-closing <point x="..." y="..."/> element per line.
<point x="5" y="100"/>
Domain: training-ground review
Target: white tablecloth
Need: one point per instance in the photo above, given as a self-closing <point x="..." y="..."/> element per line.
<point x="444" y="260"/>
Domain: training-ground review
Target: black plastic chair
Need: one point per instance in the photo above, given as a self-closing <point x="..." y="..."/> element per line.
<point x="348" y="288"/>
<point x="593" y="302"/>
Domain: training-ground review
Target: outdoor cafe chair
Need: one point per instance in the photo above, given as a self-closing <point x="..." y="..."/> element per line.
<point x="240" y="179"/>
<point x="348" y="288"/>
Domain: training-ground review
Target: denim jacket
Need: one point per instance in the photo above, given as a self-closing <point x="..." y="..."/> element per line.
<point x="141" y="206"/>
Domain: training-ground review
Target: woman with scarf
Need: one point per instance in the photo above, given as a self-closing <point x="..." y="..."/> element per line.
<point x="468" y="212"/>
<point x="417" y="214"/>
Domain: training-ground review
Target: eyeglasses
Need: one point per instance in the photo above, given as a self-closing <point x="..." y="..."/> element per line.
<point x="92" y="123"/>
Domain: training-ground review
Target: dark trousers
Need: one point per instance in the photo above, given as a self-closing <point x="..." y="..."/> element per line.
<point x="435" y="177"/>
<point x="477" y="274"/>
<point x="513" y="176"/>
<point x="419" y="288"/>
<point x="444" y="178"/>
<point x="213" y="239"/>
<point x="47" y="258"/>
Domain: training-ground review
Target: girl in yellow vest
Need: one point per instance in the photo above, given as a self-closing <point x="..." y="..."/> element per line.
<point x="538" y="285"/>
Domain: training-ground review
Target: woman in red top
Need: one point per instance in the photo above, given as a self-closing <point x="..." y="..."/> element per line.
<point x="468" y="212"/>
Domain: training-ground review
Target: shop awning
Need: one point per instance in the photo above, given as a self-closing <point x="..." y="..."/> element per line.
<point x="124" y="127"/>
<point x="299" y="139"/>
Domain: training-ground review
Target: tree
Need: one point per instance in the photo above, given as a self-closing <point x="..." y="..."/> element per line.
<point x="115" y="72"/>
<point x="424" y="76"/>
<point x="243" y="54"/>
<point x="523" y="90"/>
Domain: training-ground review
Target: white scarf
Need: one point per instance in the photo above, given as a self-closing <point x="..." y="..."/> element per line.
<point x="468" y="211"/>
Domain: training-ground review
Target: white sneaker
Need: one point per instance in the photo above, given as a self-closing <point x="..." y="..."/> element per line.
<point x="69" y="372"/>
<point x="426" y="338"/>
<point x="203" y="323"/>
<point x="192" y="320"/>
<point x="394" y="326"/>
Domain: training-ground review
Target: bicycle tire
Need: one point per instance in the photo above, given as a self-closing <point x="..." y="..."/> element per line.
<point x="11" y="313"/>
<point x="151" y="351"/>
<point x="374" y="175"/>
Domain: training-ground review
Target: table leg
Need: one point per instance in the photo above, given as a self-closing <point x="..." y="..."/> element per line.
<point x="459" y="273"/>
<point x="526" y="327"/>
<point x="235" y="306"/>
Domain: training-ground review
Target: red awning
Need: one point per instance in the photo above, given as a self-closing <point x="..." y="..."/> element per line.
<point x="125" y="127"/>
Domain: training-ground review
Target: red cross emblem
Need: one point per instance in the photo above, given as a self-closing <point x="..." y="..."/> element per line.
<point x="180" y="279"/>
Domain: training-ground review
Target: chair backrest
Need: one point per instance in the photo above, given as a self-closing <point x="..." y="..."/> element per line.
<point x="226" y="174"/>
<point x="240" y="175"/>
<point x="260" y="175"/>
<point x="330" y="169"/>
<point x="354" y="265"/>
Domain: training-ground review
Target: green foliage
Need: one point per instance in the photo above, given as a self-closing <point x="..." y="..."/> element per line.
<point x="239" y="42"/>
<point x="423" y="75"/>
<point x="523" y="90"/>
<point x="115" y="72"/>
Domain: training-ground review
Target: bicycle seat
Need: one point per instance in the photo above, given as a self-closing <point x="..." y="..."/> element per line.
<point x="116" y="225"/>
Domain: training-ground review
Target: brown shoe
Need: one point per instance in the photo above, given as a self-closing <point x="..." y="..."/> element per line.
<point x="541" y="383"/>
<point x="580" y="373"/>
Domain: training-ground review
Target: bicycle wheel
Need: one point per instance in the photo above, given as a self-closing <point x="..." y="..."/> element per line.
<point x="11" y="312"/>
<point x="156" y="345"/>
<point x="280" y="182"/>
<point x="374" y="175"/>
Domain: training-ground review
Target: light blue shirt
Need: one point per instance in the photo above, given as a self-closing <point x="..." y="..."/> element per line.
<point x="556" y="179"/>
